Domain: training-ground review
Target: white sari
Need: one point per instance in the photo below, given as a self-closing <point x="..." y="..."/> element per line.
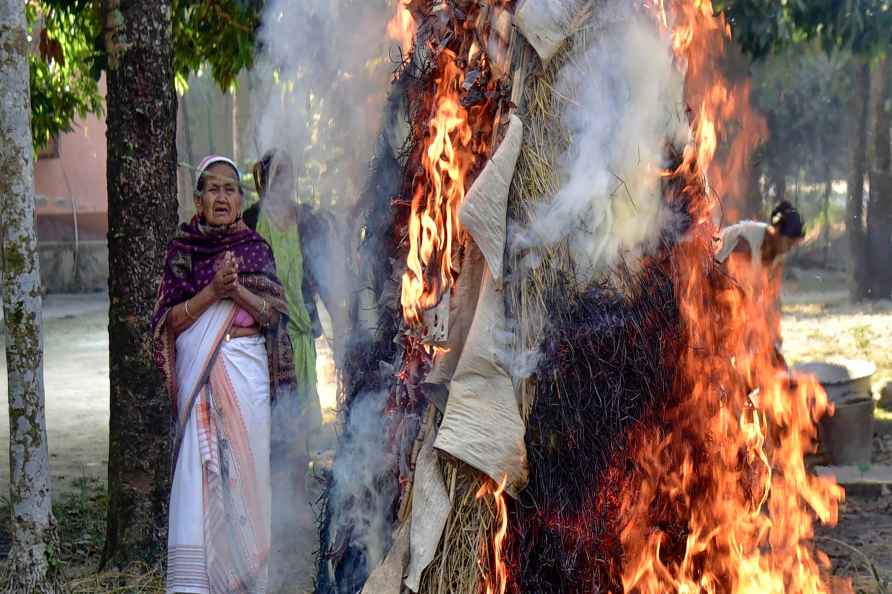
<point x="219" y="535"/>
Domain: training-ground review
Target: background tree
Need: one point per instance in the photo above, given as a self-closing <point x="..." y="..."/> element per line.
<point x="32" y="566"/>
<point x="64" y="68"/>
<point x="864" y="28"/>
<point x="802" y="92"/>
<point x="145" y="47"/>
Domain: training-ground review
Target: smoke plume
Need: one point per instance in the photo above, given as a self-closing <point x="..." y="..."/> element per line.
<point x="318" y="91"/>
<point x="626" y="103"/>
<point x="319" y="87"/>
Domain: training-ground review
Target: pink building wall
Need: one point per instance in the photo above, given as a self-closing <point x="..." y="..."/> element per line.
<point x="74" y="179"/>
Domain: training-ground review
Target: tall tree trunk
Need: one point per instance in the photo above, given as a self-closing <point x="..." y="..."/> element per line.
<point x="30" y="568"/>
<point x="752" y="204"/>
<point x="778" y="181"/>
<point x="828" y="235"/>
<point x="142" y="218"/>
<point x="184" y="174"/>
<point x="879" y="209"/>
<point x="236" y="141"/>
<point x="857" y="165"/>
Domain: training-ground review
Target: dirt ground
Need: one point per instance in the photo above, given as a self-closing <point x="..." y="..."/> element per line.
<point x="818" y="325"/>
<point x="77" y="388"/>
<point x="76" y="383"/>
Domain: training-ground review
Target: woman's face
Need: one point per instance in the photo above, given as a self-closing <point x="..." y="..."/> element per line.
<point x="221" y="201"/>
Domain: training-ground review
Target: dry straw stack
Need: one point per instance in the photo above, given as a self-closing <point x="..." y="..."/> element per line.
<point x="472" y="523"/>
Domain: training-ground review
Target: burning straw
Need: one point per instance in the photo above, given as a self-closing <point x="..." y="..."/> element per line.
<point x="445" y="93"/>
<point x="606" y="365"/>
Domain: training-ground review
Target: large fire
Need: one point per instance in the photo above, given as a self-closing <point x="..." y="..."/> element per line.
<point x="721" y="500"/>
<point x="433" y="223"/>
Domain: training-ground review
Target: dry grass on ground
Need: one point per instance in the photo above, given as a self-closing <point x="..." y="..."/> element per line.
<point x="825" y="327"/>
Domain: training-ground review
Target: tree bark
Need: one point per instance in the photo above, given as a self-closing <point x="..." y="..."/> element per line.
<point x="778" y="178"/>
<point x="879" y="208"/>
<point x="825" y="207"/>
<point x="142" y="216"/>
<point x="752" y="205"/>
<point x="32" y="566"/>
<point x="857" y="165"/>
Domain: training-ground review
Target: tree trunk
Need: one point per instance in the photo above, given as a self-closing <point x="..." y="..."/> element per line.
<point x="828" y="235"/>
<point x="879" y="209"/>
<point x="184" y="174"/>
<point x="236" y="141"/>
<point x="752" y="205"/>
<point x="142" y="218"/>
<point x="32" y="566"/>
<point x="857" y="164"/>
<point x="778" y="180"/>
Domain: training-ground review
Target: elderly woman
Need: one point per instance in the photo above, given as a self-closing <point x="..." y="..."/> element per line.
<point x="221" y="346"/>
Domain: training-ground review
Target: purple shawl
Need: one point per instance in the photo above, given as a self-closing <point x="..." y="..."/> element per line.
<point x="193" y="257"/>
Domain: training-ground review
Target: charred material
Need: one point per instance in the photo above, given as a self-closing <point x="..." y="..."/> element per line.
<point x="607" y="363"/>
<point x="608" y="370"/>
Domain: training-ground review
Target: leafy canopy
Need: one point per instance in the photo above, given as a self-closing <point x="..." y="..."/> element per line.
<point x="763" y="27"/>
<point x="69" y="53"/>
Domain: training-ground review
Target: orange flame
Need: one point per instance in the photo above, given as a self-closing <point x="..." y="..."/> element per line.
<point x="433" y="223"/>
<point x="729" y="463"/>
<point x="497" y="583"/>
<point x="726" y="129"/>
<point x="402" y="26"/>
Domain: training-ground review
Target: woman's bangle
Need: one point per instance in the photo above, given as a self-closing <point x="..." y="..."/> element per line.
<point x="263" y="312"/>
<point x="186" y="307"/>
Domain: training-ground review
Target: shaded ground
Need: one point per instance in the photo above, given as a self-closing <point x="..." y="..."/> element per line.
<point x="818" y="325"/>
<point x="76" y="378"/>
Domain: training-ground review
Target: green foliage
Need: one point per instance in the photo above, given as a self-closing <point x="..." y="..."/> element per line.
<point x="64" y="84"/>
<point x="763" y="27"/>
<point x="70" y="53"/>
<point x="802" y="91"/>
<point x="81" y="516"/>
<point x="219" y="33"/>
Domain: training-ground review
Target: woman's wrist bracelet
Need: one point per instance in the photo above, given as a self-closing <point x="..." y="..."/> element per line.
<point x="263" y="313"/>
<point x="188" y="313"/>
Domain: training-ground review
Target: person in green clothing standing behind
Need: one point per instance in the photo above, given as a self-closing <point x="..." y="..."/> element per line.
<point x="276" y="218"/>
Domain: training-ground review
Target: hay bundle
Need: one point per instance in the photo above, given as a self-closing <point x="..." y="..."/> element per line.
<point x="456" y="566"/>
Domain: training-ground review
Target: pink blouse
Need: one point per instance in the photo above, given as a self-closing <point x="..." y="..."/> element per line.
<point x="243" y="319"/>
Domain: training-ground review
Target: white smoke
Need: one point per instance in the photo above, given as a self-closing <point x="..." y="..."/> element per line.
<point x="626" y="101"/>
<point x="360" y="498"/>
<point x="318" y="90"/>
<point x="319" y="87"/>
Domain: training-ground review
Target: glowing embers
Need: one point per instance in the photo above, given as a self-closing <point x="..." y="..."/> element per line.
<point x="433" y="223"/>
<point x="495" y="572"/>
<point x="720" y="500"/>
